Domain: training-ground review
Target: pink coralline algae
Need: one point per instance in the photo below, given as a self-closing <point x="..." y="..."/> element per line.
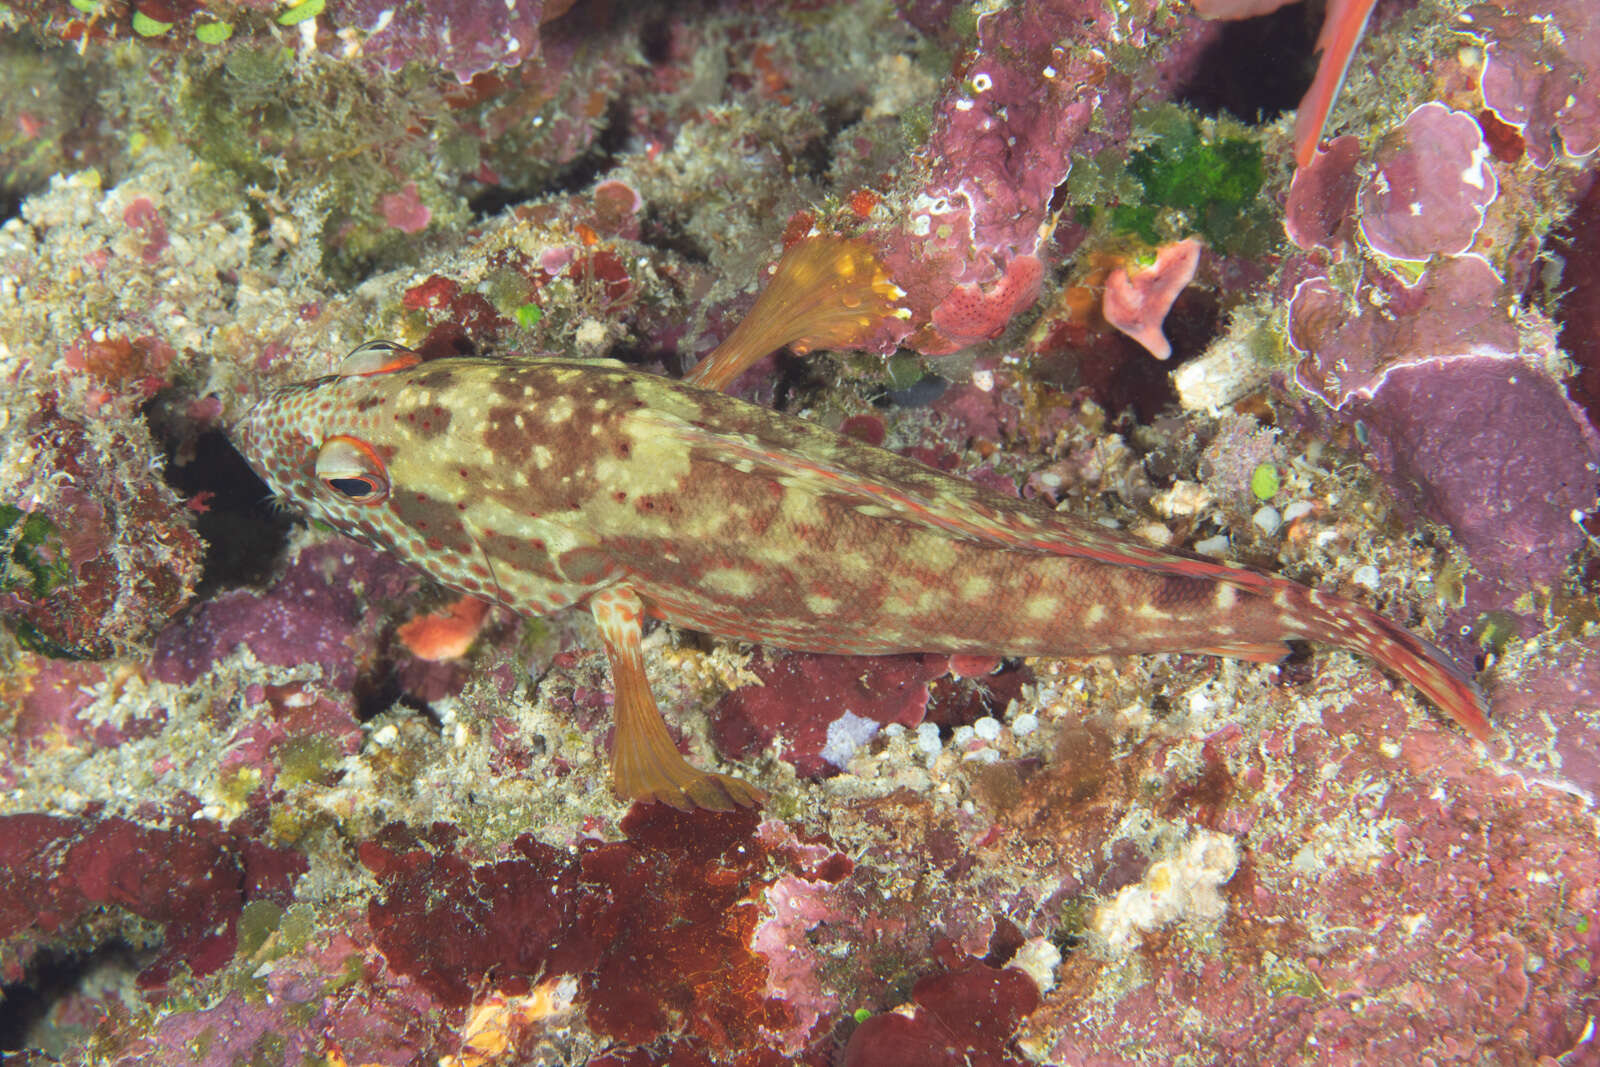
<point x="1553" y="716"/>
<point x="1020" y="105"/>
<point x="192" y="880"/>
<point x="46" y="697"/>
<point x="973" y="313"/>
<point x="1320" y="211"/>
<point x="108" y="553"/>
<point x="1541" y="64"/>
<point x="464" y="39"/>
<point x="1493" y="448"/>
<point x="142" y="215"/>
<point x="1450" y="403"/>
<point x="404" y="210"/>
<point x="309" y="616"/>
<point x="1352" y="343"/>
<point x="1431" y="186"/>
<point x="1496" y="967"/>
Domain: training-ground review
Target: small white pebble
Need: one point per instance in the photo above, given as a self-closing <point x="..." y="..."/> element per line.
<point x="962" y="735"/>
<point x="1213" y="546"/>
<point x="1024" y="724"/>
<point x="894" y="729"/>
<point x="983" y="755"/>
<point x="1038" y="959"/>
<point x="1267" y="519"/>
<point x="387" y="734"/>
<point x="1366" y="577"/>
<point x="1298" y="510"/>
<point x="928" y="741"/>
<point x="987" y="728"/>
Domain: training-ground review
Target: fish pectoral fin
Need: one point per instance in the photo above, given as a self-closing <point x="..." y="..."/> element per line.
<point x="1262" y="652"/>
<point x="645" y="763"/>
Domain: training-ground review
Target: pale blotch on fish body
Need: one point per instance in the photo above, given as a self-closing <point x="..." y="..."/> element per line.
<point x="544" y="483"/>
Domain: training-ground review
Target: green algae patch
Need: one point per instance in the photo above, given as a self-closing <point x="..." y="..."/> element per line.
<point x="301" y="12"/>
<point x="145" y="26"/>
<point x="213" y="32"/>
<point x="308" y="759"/>
<point x="1264" y="482"/>
<point x="1213" y="185"/>
<point x="1189" y="177"/>
<point x="37" y="560"/>
<point x="1290" y="978"/>
<point x="258" y="921"/>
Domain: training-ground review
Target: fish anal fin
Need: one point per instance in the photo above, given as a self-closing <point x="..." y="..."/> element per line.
<point x="645" y="763"/>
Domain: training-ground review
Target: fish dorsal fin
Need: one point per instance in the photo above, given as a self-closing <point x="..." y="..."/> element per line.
<point x="376" y="357"/>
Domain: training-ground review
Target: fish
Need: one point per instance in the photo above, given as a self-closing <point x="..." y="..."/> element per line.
<point x="542" y="483"/>
<point x="1343" y="26"/>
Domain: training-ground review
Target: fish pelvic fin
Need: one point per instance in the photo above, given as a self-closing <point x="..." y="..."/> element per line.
<point x="645" y="763"/>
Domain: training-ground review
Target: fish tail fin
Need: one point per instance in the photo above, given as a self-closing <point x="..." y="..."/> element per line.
<point x="1346" y="624"/>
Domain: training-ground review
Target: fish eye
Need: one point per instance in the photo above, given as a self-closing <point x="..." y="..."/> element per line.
<point x="352" y="468"/>
<point x="356" y="489"/>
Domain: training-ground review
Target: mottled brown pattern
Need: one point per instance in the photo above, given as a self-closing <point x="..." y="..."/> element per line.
<point x="438" y="520"/>
<point x="508" y="444"/>
<point x="583" y="566"/>
<point x="430" y="422"/>
<point x="520" y="553"/>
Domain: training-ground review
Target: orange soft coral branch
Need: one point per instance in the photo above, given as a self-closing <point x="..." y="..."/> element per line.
<point x="827" y="292"/>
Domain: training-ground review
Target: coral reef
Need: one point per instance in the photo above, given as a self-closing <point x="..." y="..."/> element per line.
<point x="268" y="798"/>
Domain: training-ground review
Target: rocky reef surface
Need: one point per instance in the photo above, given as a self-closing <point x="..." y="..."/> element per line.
<point x="255" y="809"/>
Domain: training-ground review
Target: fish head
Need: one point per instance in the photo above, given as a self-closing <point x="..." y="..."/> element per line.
<point x="326" y="446"/>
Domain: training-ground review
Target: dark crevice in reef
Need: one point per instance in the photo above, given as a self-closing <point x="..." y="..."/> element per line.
<point x="1257" y="68"/>
<point x="382" y="689"/>
<point x="51" y="976"/>
<point x="575" y="177"/>
<point x="815" y="160"/>
<point x="244" y="532"/>
<point x="659" y="230"/>
<point x="655" y="39"/>
<point x="796" y="378"/>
